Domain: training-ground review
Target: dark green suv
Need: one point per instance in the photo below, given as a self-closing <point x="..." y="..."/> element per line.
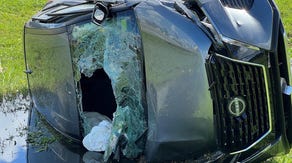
<point x="204" y="80"/>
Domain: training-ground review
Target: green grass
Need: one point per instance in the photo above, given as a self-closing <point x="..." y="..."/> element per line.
<point x="280" y="159"/>
<point x="13" y="15"/>
<point x="285" y="7"/>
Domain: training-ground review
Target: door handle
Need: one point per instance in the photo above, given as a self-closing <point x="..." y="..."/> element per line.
<point x="28" y="71"/>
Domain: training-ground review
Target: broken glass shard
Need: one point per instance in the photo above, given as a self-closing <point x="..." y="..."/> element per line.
<point x="115" y="48"/>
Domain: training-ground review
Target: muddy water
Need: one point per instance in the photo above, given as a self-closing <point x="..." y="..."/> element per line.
<point x="14" y="112"/>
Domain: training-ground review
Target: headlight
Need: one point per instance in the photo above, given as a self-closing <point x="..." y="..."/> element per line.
<point x="241" y="50"/>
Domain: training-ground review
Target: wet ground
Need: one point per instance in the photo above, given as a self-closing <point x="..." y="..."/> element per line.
<point x="25" y="136"/>
<point x="14" y="112"/>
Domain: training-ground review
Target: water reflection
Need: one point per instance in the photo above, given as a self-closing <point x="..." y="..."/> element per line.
<point x="25" y="136"/>
<point x="13" y="119"/>
<point x="47" y="145"/>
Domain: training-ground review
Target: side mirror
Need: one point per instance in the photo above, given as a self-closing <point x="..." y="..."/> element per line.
<point x="100" y="13"/>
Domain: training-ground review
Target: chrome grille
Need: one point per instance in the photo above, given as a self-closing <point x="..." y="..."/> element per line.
<point x="231" y="79"/>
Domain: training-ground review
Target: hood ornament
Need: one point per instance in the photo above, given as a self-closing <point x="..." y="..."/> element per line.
<point x="236" y="106"/>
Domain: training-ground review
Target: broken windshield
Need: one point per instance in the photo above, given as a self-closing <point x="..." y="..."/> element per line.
<point x="111" y="55"/>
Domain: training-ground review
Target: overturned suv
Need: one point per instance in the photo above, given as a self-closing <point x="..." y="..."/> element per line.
<point x="204" y="80"/>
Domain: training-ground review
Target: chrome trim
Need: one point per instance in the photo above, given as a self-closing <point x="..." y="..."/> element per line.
<point x="258" y="154"/>
<point x="268" y="100"/>
<point x="238" y="43"/>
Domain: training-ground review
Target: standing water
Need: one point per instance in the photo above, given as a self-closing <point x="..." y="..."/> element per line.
<point x="14" y="112"/>
<point x="25" y="136"/>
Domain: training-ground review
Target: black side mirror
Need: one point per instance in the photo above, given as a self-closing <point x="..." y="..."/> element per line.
<point x="100" y="13"/>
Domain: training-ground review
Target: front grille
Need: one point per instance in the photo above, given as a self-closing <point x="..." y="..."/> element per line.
<point x="242" y="86"/>
<point x="238" y="4"/>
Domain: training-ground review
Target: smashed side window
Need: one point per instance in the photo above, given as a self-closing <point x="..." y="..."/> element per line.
<point x="113" y="48"/>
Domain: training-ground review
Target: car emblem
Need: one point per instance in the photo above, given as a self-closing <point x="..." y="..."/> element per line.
<point x="236" y="106"/>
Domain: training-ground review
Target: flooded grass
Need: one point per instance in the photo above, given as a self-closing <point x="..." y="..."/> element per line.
<point x="14" y="112"/>
<point x="15" y="133"/>
<point x="40" y="134"/>
<point x="12" y="104"/>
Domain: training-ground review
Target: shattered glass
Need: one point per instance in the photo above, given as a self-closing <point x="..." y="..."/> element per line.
<point x="88" y="47"/>
<point x="115" y="46"/>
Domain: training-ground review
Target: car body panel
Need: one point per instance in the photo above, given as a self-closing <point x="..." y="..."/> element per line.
<point x="253" y="26"/>
<point x="180" y="110"/>
<point x="51" y="81"/>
